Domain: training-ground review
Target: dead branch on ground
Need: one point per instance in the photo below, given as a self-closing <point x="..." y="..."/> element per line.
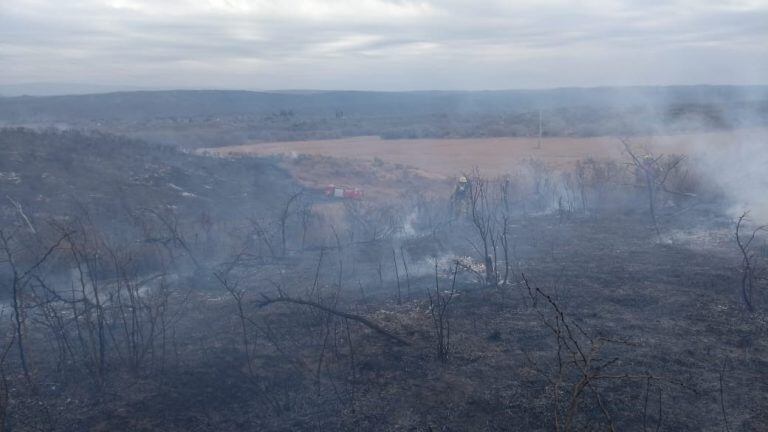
<point x="266" y="301"/>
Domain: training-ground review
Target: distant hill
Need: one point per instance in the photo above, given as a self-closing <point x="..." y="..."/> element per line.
<point x="205" y="118"/>
<point x="144" y="105"/>
<point x="56" y="89"/>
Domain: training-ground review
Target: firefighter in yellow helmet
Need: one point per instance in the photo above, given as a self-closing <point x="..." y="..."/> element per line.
<point x="460" y="197"/>
<point x="463" y="182"/>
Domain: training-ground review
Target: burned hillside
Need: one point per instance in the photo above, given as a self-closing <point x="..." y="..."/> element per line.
<point x="56" y="174"/>
<point x="146" y="288"/>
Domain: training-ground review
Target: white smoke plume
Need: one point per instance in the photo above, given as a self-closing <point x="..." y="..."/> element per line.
<point x="740" y="172"/>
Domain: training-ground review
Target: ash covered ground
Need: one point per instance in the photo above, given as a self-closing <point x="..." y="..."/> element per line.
<point x="147" y="287"/>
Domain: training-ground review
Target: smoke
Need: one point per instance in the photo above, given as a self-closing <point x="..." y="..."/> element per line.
<point x="740" y="172"/>
<point x="426" y="266"/>
<point x="408" y="229"/>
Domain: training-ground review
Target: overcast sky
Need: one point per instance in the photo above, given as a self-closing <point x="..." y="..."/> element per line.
<point x="383" y="44"/>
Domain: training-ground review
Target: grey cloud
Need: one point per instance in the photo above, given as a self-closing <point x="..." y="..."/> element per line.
<point x="373" y="44"/>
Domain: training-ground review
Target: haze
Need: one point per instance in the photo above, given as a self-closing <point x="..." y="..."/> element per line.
<point x="383" y="215"/>
<point x="49" y="46"/>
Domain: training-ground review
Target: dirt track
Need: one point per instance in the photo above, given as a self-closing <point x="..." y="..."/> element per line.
<point x="492" y="155"/>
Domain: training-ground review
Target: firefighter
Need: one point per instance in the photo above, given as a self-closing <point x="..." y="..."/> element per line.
<point x="460" y="197"/>
<point x="462" y="187"/>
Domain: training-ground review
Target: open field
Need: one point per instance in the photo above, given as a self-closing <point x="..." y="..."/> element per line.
<point x="492" y="155"/>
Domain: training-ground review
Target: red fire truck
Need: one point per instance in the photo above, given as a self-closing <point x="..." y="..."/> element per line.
<point x="343" y="192"/>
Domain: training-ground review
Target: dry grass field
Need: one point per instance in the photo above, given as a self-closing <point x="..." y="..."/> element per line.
<point x="492" y="155"/>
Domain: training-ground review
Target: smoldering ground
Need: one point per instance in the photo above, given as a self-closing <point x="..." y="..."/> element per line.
<point x="270" y="305"/>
